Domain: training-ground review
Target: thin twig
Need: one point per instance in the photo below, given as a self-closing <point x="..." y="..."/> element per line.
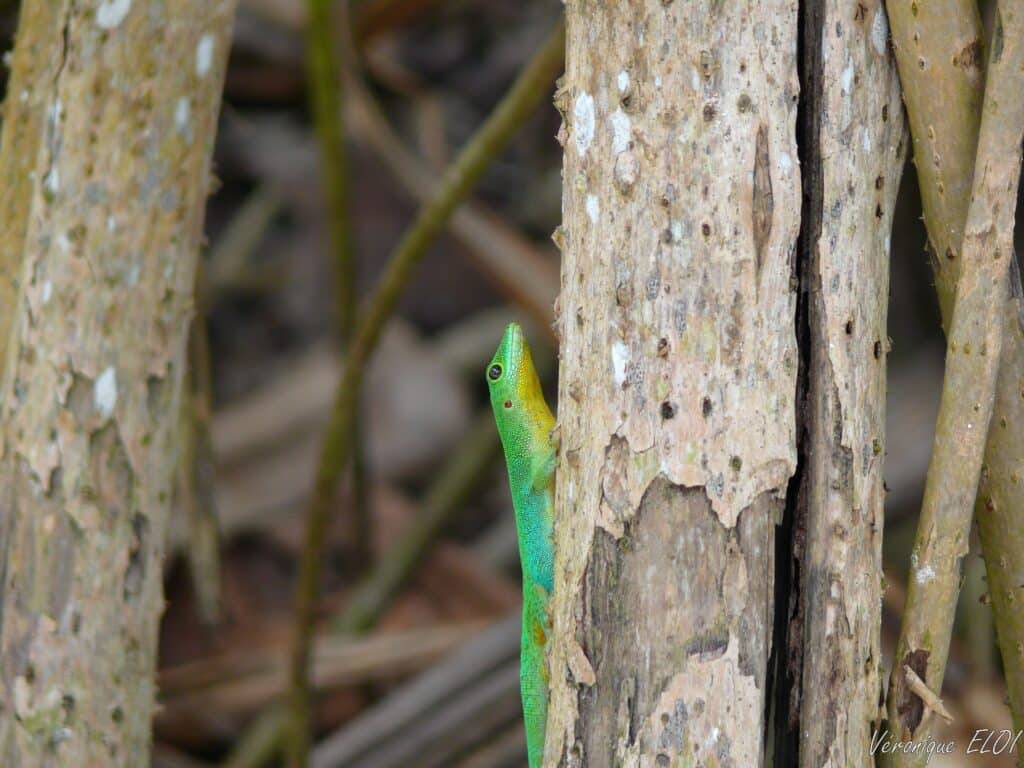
<point x="261" y="741"/>
<point x="942" y="93"/>
<point x="415" y="699"/>
<point x="240" y="682"/>
<point x="323" y="65"/>
<point x="195" y="482"/>
<point x="461" y="476"/>
<point x="518" y="268"/>
<point x="454" y="484"/>
<point x="931" y="701"/>
<point x="229" y="257"/>
<point x="969" y="386"/>
<point x="530" y="87"/>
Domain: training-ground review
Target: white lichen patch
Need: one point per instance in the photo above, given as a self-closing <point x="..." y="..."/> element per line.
<point x="110" y="13"/>
<point x="866" y="143"/>
<point x="583" y="122"/>
<point x="182" y="114"/>
<point x="47" y="292"/>
<point x="56" y="111"/>
<point x="924" y="574"/>
<point x="785" y="162"/>
<point x="846" y="79"/>
<point x="104" y="392"/>
<point x="52" y="181"/>
<point x="623" y="81"/>
<point x="620" y="357"/>
<point x="621" y="131"/>
<point x="879" y="30"/>
<point x="204" y="54"/>
<point x="593" y="208"/>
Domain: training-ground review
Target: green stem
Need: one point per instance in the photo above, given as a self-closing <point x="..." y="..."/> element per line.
<point x="261" y="741"/>
<point x="530" y="87"/>
<point x="195" y="466"/>
<point x="323" y="64"/>
<point x="969" y="388"/>
<point x="448" y="494"/>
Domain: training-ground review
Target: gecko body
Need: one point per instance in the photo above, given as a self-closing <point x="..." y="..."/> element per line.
<point x="525" y="425"/>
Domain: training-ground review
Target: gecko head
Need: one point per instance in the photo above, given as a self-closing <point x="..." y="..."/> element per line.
<point x="511" y="377"/>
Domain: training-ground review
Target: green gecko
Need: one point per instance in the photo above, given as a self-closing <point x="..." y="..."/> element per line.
<point x="526" y="426"/>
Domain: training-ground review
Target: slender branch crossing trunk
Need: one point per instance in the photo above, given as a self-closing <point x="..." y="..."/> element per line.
<point x="681" y="207"/>
<point x="853" y="158"/>
<point x="940" y="56"/>
<point x="969" y="392"/>
<point x="113" y="213"/>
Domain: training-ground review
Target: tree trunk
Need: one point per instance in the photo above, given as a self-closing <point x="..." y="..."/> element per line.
<point x="853" y="157"/>
<point x="679" y="365"/>
<point x="114" y="207"/>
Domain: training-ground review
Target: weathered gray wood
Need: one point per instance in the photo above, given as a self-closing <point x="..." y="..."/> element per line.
<point x="681" y="202"/>
<point x="855" y="146"/>
<point x="116" y="194"/>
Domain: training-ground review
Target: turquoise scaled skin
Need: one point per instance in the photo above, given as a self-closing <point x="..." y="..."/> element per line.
<point x="525" y="425"/>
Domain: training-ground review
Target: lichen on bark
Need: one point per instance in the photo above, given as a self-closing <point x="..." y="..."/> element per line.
<point x="114" y="211"/>
<point x="681" y="195"/>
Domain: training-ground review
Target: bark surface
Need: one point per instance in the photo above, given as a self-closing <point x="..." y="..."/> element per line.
<point x="856" y="138"/>
<point x="681" y="206"/>
<point x="114" y="204"/>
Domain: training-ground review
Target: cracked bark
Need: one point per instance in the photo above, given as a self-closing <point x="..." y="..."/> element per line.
<point x="681" y="205"/>
<point x="110" y="163"/>
<point x="853" y="158"/>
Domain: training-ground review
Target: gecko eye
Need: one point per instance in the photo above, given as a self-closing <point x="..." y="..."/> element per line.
<point x="508" y="403"/>
<point x="494" y="372"/>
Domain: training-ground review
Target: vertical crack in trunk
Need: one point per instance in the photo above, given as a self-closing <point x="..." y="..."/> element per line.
<point x="782" y="721"/>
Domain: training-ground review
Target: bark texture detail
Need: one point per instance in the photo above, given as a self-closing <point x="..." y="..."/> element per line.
<point x="856" y="140"/>
<point x="114" y="209"/>
<point x="681" y="205"/>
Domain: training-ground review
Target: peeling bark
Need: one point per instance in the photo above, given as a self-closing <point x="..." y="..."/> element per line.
<point x="854" y="154"/>
<point x="114" y="209"/>
<point x="681" y="204"/>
